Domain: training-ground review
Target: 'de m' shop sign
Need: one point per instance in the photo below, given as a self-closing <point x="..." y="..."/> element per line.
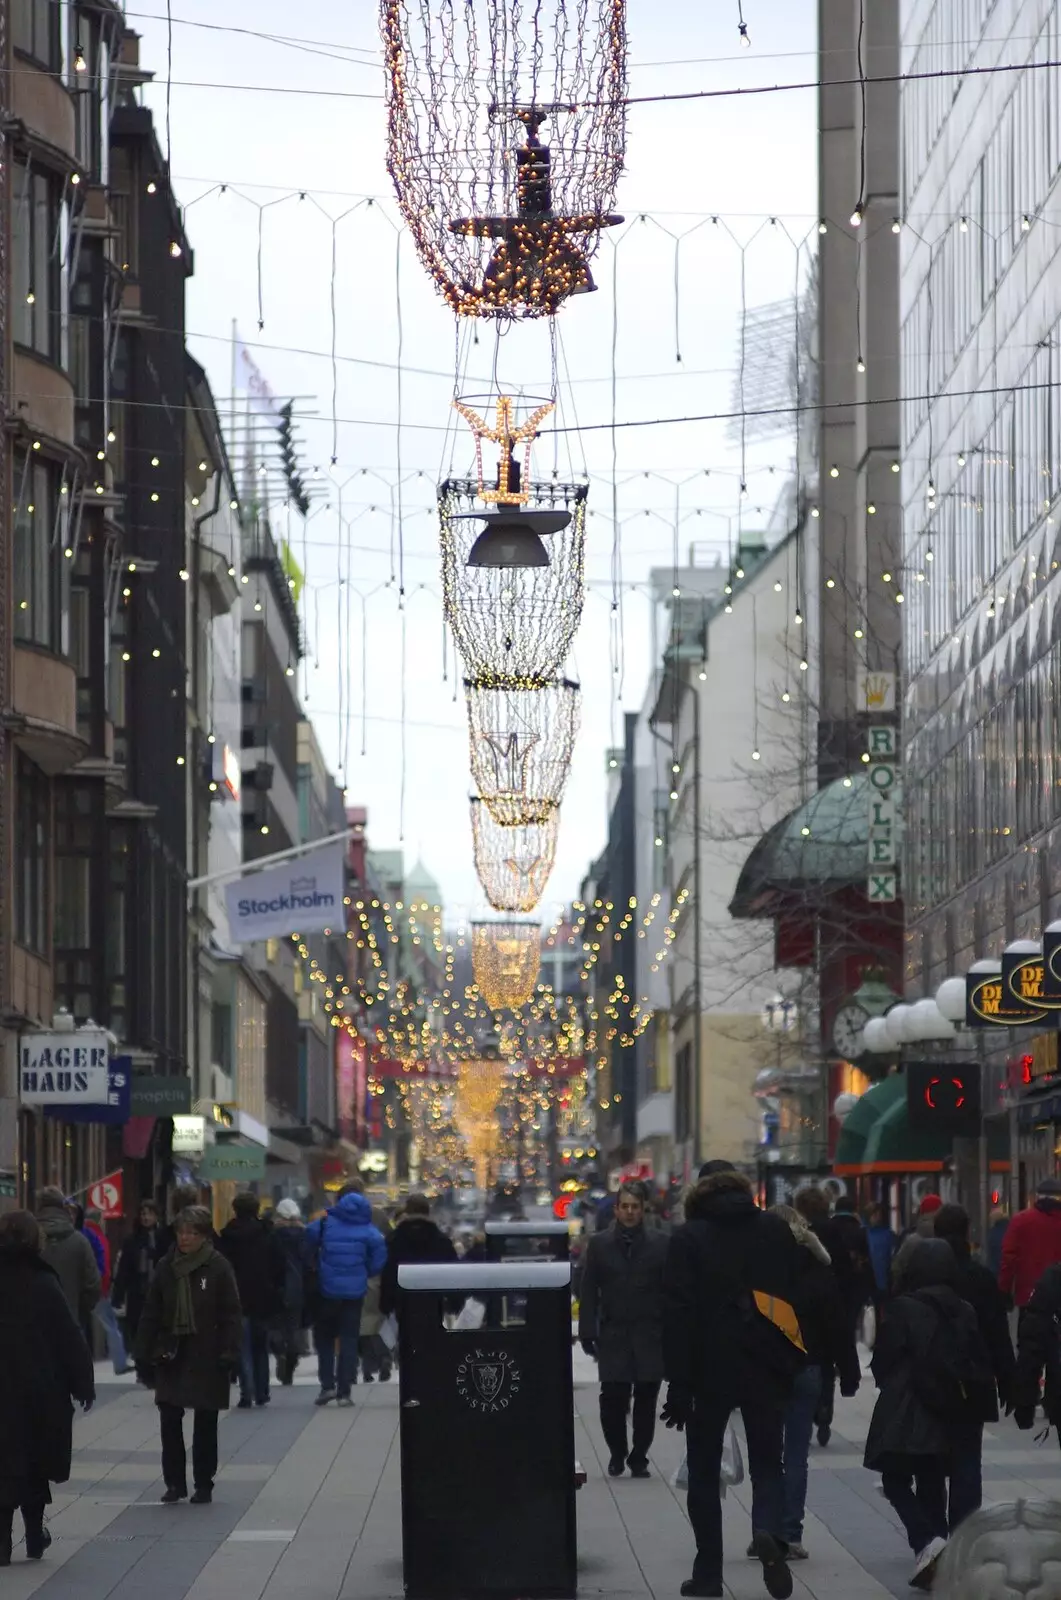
<point x="56" y="1069"/>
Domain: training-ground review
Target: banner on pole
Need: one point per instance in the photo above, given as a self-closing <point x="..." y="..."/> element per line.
<point x="106" y="1196"/>
<point x="300" y="896"/>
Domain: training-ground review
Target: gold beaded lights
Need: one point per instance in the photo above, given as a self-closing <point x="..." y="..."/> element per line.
<point x="506" y="958"/>
<point x="513" y="863"/>
<point x="504" y="220"/>
<point x="521" y="737"/>
<point x="479" y="1087"/>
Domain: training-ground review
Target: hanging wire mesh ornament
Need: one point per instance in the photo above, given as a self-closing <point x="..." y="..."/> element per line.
<point x="513" y="623"/>
<point x="521" y="742"/>
<point x="513" y="605"/>
<point x="513" y="863"/>
<point x="506" y="957"/>
<point x="479" y="1088"/>
<point x="504" y="220"/>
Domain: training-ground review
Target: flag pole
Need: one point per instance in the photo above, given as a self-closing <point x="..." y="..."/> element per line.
<point x="266" y="861"/>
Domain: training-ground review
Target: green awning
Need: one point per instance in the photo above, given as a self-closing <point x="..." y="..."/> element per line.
<point x="893" y="1146"/>
<point x="863" y="1117"/>
<point x="823" y="844"/>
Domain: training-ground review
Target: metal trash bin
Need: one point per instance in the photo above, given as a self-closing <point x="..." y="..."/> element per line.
<point x="528" y="1241"/>
<point x="487" y="1435"/>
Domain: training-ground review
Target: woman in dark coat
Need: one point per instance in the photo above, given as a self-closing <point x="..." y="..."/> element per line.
<point x="914" y="1431"/>
<point x="46" y="1365"/>
<point x="190" y="1338"/>
<point x="621" y="1323"/>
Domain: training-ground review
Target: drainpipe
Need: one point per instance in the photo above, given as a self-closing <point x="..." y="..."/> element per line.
<point x="197" y="564"/>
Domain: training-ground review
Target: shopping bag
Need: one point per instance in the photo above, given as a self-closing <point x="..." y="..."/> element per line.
<point x="680" y="1480"/>
<point x="388" y="1331"/>
<point x="732" y="1472"/>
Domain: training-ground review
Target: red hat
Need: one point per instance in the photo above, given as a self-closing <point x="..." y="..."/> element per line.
<point x="930" y="1203"/>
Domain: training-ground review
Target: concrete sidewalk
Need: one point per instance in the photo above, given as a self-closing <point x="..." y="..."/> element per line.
<point x="307" y="1507"/>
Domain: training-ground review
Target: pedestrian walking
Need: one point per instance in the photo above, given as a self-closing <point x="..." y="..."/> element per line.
<point x="46" y="1367"/>
<point x="103" y="1311"/>
<point x="1038" y="1373"/>
<point x="342" y="1250"/>
<point x="829" y="1338"/>
<point x="935" y="1382"/>
<point x="620" y="1323"/>
<point x="415" y="1239"/>
<point x="190" y="1339"/>
<point x="377" y="1359"/>
<point x="1031" y="1244"/>
<point x="250" y="1246"/>
<point x="924" y="1228"/>
<point x="70" y="1255"/>
<point x="882" y="1242"/>
<point x="287" y="1330"/>
<point x="731" y="1341"/>
<point x="845" y="1242"/>
<point x="976" y="1285"/>
<point x="137" y="1260"/>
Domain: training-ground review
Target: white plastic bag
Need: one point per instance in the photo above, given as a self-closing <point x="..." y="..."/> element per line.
<point x="388" y="1331"/>
<point x="470" y="1316"/>
<point x="680" y="1480"/>
<point x="732" y="1472"/>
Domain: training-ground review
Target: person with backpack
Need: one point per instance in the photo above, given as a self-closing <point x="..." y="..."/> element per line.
<point x="731" y="1339"/>
<point x="977" y="1286"/>
<point x="935" y="1380"/>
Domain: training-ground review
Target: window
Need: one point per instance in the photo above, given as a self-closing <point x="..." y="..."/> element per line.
<point x="35" y="31"/>
<point x="33" y="810"/>
<point x="38" y="246"/>
<point x="41" y="531"/>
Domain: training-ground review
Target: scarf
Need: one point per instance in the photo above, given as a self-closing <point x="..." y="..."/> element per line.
<point x="628" y="1237"/>
<point x="183" y="1319"/>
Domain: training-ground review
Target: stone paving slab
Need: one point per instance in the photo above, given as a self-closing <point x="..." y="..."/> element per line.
<point x="308" y="1507"/>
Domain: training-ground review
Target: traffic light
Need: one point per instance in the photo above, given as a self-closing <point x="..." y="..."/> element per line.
<point x="943" y="1097"/>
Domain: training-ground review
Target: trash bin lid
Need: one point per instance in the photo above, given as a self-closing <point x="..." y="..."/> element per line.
<point x="532" y="1229"/>
<point x="472" y="1276"/>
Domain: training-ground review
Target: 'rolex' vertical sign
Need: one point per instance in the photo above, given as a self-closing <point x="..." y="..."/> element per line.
<point x="884" y="819"/>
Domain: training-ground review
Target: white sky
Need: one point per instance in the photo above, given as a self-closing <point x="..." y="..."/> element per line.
<point x="743" y="160"/>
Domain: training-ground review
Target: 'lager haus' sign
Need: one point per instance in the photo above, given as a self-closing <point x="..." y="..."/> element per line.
<point x="64" y="1069"/>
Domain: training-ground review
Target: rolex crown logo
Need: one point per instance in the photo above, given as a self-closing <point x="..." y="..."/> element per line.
<point x="876" y="691"/>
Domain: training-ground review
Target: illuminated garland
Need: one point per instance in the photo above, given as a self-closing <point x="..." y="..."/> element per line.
<point x="479" y="1087"/>
<point x="504" y="220"/>
<point x="506" y="959"/>
<point x="513" y="623"/>
<point x="521" y="741"/>
<point x="513" y="863"/>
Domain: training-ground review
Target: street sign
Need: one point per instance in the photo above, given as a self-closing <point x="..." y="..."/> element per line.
<point x="239" y="1163"/>
<point x="64" y="1069"/>
<point x="156" y="1095"/>
<point x="106" y="1196"/>
<point x="114" y="1111"/>
<point x="189" y="1136"/>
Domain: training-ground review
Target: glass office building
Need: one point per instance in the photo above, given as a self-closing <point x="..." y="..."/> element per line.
<point x="980" y="299"/>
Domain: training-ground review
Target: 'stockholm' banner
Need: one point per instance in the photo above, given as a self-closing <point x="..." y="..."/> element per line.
<point x="300" y="896"/>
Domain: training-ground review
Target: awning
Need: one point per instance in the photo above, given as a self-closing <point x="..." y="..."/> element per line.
<point x="823" y="843"/>
<point x="861" y="1119"/>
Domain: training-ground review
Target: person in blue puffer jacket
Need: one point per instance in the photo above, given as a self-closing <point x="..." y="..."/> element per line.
<point x="344" y="1250"/>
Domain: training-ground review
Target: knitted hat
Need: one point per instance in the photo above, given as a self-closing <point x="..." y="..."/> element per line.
<point x="289" y="1211"/>
<point x="931" y="1202"/>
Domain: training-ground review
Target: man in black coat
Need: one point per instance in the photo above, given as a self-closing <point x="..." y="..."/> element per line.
<point x="257" y="1258"/>
<point x="621" y="1323"/>
<point x="977" y="1285"/>
<point x="722" y="1351"/>
<point x="415" y="1239"/>
<point x="847" y="1244"/>
<point x="45" y="1364"/>
<point x="1039" y="1353"/>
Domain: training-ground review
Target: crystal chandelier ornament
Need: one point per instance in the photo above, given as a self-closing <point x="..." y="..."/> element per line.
<point x="513" y="863"/>
<point x="506" y="958"/>
<point x="506" y="133"/>
<point x="521" y="738"/>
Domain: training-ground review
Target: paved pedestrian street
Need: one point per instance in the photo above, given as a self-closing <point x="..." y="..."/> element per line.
<point x="307" y="1507"/>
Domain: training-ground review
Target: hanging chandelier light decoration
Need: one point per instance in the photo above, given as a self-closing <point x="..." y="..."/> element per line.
<point x="513" y="863"/>
<point x="513" y="603"/>
<point x="479" y="1087"/>
<point x="506" y="133"/>
<point x="522" y="737"/>
<point x="506" y="958"/>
